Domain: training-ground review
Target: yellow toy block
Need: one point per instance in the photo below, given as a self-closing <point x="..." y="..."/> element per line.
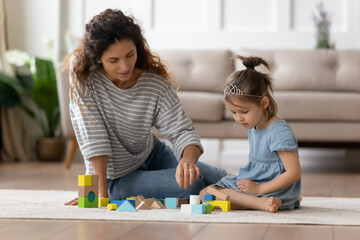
<point x="111" y="206"/>
<point x="224" y="205"/>
<point x="84" y="180"/>
<point x="103" y="202"/>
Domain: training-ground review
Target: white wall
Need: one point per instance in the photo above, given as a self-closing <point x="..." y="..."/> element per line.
<point x="188" y="24"/>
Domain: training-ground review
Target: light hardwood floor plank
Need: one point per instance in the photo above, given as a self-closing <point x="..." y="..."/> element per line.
<point x="299" y="232"/>
<point x="219" y="231"/>
<point x="33" y="229"/>
<point x="348" y="233"/>
<point x="165" y="231"/>
<point x="6" y="222"/>
<point x="96" y="230"/>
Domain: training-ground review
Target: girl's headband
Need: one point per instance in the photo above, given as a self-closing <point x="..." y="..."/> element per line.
<point x="234" y="90"/>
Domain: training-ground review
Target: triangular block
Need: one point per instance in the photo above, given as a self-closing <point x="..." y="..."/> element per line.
<point x="157" y="205"/>
<point x="126" y="206"/>
<point x="143" y="206"/>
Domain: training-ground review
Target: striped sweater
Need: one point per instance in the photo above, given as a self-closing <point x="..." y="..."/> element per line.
<point x="116" y="122"/>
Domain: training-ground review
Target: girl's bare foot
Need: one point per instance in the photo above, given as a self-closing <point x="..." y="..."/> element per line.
<point x="271" y="204"/>
<point x="274" y="204"/>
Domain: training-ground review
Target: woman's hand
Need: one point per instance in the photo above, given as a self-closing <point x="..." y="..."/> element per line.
<point x="72" y="202"/>
<point x="248" y="186"/>
<point x="186" y="173"/>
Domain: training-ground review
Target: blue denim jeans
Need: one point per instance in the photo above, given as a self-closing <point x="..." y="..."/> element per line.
<point x="156" y="177"/>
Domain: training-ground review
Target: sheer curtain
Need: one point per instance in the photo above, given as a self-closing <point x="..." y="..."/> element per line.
<point x="14" y="137"/>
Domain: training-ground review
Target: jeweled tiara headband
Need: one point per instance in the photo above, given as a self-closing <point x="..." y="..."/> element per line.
<point x="234" y="90"/>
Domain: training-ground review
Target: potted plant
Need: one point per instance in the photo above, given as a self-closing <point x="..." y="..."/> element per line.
<point x="41" y="87"/>
<point x="322" y="23"/>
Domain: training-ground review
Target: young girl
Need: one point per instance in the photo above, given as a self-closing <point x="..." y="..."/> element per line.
<point x="271" y="179"/>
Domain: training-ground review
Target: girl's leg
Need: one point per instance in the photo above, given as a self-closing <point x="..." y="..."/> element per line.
<point x="241" y="201"/>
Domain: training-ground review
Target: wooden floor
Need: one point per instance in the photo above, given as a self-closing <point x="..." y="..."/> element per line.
<point x="331" y="179"/>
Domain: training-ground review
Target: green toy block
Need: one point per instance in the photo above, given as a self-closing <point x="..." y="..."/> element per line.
<point x="208" y="208"/>
<point x="91" y="201"/>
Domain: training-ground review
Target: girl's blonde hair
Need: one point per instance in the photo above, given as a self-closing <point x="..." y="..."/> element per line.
<point x="252" y="85"/>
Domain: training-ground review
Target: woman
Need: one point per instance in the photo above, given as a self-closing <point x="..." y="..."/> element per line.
<point x="119" y="90"/>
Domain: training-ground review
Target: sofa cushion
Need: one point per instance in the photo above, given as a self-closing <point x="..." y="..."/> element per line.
<point x="315" y="70"/>
<point x="202" y="106"/>
<point x="201" y="70"/>
<point x="318" y="106"/>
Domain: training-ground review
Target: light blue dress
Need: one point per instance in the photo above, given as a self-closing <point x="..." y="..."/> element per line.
<point x="265" y="164"/>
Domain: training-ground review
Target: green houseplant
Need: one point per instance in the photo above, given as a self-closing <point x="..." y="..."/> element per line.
<point x="39" y="78"/>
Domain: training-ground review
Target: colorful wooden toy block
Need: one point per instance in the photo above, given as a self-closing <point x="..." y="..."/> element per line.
<point x="171" y="203"/>
<point x="88" y="202"/>
<point x="186" y="208"/>
<point x="118" y="202"/>
<point x="198" y="209"/>
<point x="103" y="202"/>
<point x="209" y="197"/>
<point x="224" y="205"/>
<point x="111" y="206"/>
<point x="208" y="208"/>
<point x="157" y="205"/>
<point x="85" y="180"/>
<point x="194" y="199"/>
<point x="182" y="201"/>
<point x="88" y="191"/>
<point x="161" y="200"/>
<point x="126" y="206"/>
<point x="138" y="200"/>
<point x="219" y="195"/>
<point x="143" y="206"/>
<point x="131" y="201"/>
<point x="150" y="201"/>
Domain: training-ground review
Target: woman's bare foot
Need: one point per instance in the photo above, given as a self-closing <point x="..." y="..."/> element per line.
<point x="72" y="202"/>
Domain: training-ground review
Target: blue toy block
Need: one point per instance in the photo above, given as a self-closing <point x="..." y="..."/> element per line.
<point x="171" y="203"/>
<point x="198" y="209"/>
<point x="209" y="197"/>
<point x="118" y="202"/>
<point x="126" y="206"/>
<point x="132" y="202"/>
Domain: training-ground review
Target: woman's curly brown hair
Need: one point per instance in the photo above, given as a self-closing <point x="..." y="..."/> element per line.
<point x="103" y="30"/>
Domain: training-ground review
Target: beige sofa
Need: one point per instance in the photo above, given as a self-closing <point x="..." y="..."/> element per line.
<point x="317" y="91"/>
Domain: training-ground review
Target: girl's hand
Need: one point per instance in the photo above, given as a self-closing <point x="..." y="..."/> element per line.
<point x="186" y="173"/>
<point x="72" y="202"/>
<point x="248" y="186"/>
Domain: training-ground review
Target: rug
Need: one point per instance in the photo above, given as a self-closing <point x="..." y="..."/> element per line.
<point x="48" y="204"/>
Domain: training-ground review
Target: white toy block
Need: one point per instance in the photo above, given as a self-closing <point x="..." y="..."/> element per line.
<point x="185" y="208"/>
<point x="194" y="199"/>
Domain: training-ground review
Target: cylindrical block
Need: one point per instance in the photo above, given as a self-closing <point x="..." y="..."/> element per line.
<point x="112" y="206"/>
<point x="194" y="199"/>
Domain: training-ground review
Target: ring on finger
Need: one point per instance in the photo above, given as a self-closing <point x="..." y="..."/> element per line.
<point x="191" y="169"/>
